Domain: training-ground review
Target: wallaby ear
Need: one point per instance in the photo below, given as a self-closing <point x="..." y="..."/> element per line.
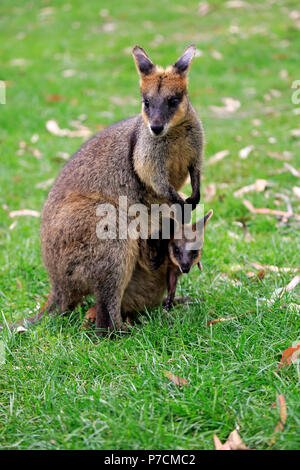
<point x="208" y="216"/>
<point x="143" y="63"/>
<point x="183" y="64"/>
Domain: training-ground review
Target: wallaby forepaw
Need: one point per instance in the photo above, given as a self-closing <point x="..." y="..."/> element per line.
<point x="193" y="201"/>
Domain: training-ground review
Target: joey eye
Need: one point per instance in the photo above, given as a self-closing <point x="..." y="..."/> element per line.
<point x="173" y="102"/>
<point x="176" y="250"/>
<point x="146" y="103"/>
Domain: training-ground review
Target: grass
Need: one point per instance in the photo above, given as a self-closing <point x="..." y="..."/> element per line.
<point x="58" y="388"/>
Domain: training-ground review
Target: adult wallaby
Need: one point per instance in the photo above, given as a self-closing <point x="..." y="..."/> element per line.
<point x="146" y="158"/>
<point x="150" y="281"/>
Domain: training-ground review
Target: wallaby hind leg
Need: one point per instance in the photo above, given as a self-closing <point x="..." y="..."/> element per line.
<point x="108" y="308"/>
<point x="62" y="300"/>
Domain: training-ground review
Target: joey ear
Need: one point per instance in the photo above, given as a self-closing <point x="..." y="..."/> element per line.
<point x="183" y="64"/>
<point x="208" y="216"/>
<point x="143" y="63"/>
<point x="199" y="264"/>
<point x="201" y="223"/>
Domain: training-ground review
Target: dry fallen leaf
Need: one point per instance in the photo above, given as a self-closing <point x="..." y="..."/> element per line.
<point x="278" y="293"/>
<point x="231" y="105"/>
<point x="295" y="133"/>
<point x="266" y="211"/>
<point x="89" y="318"/>
<point x="24" y="212"/>
<point x="294" y="282"/>
<point x="234" y="442"/>
<point x="81" y="130"/>
<point x="174" y="378"/>
<point x="259" y="186"/>
<point x="293" y="170"/>
<point x="283" y="413"/>
<point x="217" y="157"/>
<point x="12" y="226"/>
<point x="54" y="98"/>
<point x="203" y="8"/>
<point x="220" y="320"/>
<point x="279" y="156"/>
<point x="209" y="192"/>
<point x="296" y="191"/>
<point x="289" y="355"/>
<point x="45" y="184"/>
<point x="245" y="152"/>
<point x="21" y="329"/>
<point x="275" y="269"/>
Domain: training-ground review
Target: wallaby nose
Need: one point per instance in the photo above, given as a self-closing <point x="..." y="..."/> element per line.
<point x="157" y="129"/>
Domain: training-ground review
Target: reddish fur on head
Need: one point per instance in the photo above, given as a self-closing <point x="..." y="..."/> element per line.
<point x="160" y="87"/>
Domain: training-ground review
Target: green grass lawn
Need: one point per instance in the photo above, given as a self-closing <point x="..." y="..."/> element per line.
<point x="61" y="389"/>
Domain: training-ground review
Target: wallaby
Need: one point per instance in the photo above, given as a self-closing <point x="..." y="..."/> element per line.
<point x="147" y="287"/>
<point x="146" y="158"/>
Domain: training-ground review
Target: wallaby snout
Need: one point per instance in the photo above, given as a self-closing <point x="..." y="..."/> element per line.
<point x="157" y="128"/>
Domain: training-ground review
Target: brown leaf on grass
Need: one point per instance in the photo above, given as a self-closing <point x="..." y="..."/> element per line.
<point x="209" y="192"/>
<point x="24" y="212"/>
<point x="259" y="186"/>
<point x="289" y="355"/>
<point x="296" y="191"/>
<point x="45" y="184"/>
<point x="279" y="156"/>
<point x="231" y="105"/>
<point x="292" y="170"/>
<point x="21" y="329"/>
<point x="12" y="226"/>
<point x="219" y="445"/>
<point x="278" y="293"/>
<point x="245" y="152"/>
<point x="220" y="320"/>
<point x="234" y="442"/>
<point x="260" y="275"/>
<point x="203" y="8"/>
<point x="100" y="127"/>
<point x="283" y="414"/>
<point x="19" y="284"/>
<point x="63" y="155"/>
<point x="295" y="133"/>
<point x="254" y="276"/>
<point x="80" y="131"/>
<point x="250" y="274"/>
<point x="267" y="211"/>
<point x="174" y="378"/>
<point x="294" y="282"/>
<point x="89" y="318"/>
<point x="54" y="98"/>
<point x="217" y="157"/>
<point x="275" y="269"/>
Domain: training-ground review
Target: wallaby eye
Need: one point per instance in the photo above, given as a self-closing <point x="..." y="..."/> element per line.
<point x="173" y="102"/>
<point x="146" y="103"/>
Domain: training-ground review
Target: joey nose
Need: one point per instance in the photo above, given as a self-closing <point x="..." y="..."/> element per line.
<point x="185" y="268"/>
<point x="157" y="129"/>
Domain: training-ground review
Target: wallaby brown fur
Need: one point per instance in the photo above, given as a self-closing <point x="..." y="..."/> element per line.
<point x="147" y="288"/>
<point x="129" y="159"/>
